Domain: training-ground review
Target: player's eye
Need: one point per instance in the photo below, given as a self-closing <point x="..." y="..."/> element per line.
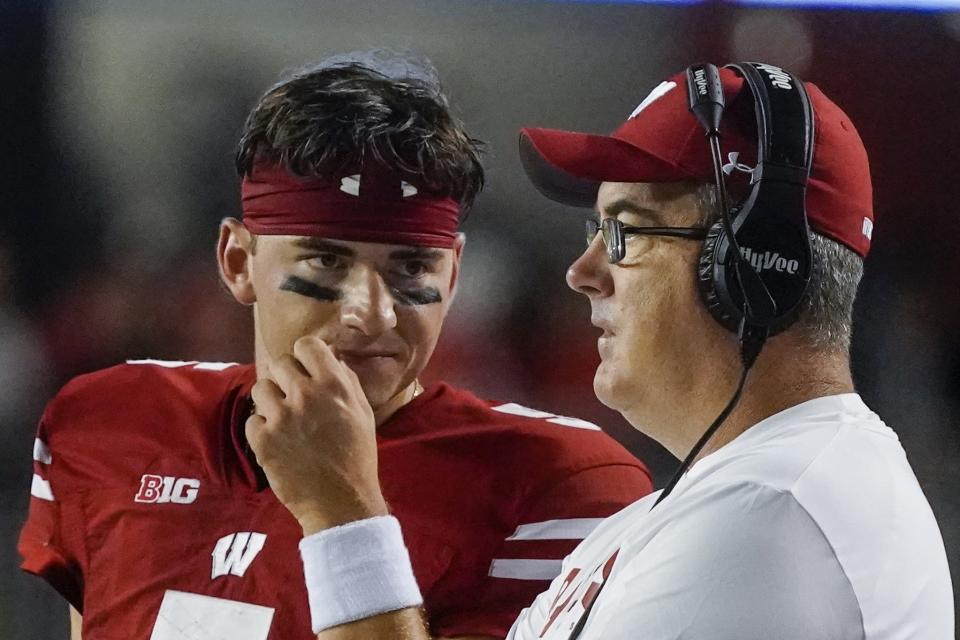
<point x="414" y="269"/>
<point x="326" y="261"/>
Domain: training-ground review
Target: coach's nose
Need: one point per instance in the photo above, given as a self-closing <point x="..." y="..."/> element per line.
<point x="367" y="305"/>
<point x="590" y="273"/>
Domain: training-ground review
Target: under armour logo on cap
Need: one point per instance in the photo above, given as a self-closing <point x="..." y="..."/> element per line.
<point x="733" y="165"/>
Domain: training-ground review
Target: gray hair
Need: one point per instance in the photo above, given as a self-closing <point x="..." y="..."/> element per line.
<point x="825" y="319"/>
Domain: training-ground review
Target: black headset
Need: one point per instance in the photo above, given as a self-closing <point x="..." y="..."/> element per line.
<point x="756" y="260"/>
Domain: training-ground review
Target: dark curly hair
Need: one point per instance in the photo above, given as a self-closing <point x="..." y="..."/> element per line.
<point x="328" y="119"/>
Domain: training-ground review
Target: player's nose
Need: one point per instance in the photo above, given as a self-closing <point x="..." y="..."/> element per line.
<point x="590" y="273"/>
<point x="367" y="305"/>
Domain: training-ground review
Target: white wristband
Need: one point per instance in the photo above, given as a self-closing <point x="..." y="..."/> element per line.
<point x="357" y="570"/>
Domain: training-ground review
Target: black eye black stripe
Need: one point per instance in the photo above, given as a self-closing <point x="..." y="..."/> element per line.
<point x="310" y="290"/>
<point x="411" y="297"/>
<point x="408" y="297"/>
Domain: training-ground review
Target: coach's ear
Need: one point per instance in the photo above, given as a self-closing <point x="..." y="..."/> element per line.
<point x="234" y="255"/>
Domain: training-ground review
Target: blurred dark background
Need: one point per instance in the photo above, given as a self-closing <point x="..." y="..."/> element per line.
<point x="118" y="120"/>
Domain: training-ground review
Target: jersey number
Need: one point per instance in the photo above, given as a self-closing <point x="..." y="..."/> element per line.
<point x="191" y="616"/>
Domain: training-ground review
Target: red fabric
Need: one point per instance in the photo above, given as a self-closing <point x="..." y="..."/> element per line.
<point x="597" y="491"/>
<point x="371" y="206"/>
<point x="664" y="143"/>
<point x="460" y="477"/>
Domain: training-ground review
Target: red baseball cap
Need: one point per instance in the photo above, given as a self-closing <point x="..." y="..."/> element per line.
<point x="662" y="141"/>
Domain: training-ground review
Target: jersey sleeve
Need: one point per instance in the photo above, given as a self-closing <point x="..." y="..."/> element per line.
<point x="51" y="541"/>
<point x="752" y="564"/>
<point x="550" y="526"/>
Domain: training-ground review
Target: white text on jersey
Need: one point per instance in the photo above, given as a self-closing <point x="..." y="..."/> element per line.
<point x="235" y="552"/>
<point x="160" y="489"/>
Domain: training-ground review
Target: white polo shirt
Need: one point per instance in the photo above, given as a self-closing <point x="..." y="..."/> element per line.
<point x="810" y="525"/>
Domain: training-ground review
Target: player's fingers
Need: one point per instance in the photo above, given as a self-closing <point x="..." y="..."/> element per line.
<point x="355" y="389"/>
<point x="253" y="429"/>
<point x="352" y="379"/>
<point x="287" y="373"/>
<point x="315" y="356"/>
<point x="268" y="398"/>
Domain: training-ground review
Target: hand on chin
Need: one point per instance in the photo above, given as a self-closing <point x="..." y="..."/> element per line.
<point x="314" y="434"/>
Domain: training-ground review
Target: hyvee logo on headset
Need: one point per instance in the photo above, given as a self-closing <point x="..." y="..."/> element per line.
<point x="769" y="260"/>
<point x="778" y="77"/>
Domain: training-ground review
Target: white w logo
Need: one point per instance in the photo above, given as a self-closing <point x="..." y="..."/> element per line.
<point x="234" y="553"/>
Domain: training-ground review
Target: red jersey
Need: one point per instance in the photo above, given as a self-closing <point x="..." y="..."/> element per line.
<point x="146" y="496"/>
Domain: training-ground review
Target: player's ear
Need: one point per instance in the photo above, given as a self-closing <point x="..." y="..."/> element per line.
<point x="234" y="256"/>
<point x="458" y="245"/>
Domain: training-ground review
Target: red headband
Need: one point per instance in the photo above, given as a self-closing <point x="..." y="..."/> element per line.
<point x="375" y="205"/>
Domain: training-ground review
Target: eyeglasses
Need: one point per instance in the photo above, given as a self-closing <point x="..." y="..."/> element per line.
<point x="614" y="235"/>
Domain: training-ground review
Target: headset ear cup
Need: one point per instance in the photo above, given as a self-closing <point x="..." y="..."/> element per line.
<point x="710" y="280"/>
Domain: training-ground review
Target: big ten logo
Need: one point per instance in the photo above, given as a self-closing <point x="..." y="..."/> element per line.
<point x="161" y="489"/>
<point x="575" y="598"/>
